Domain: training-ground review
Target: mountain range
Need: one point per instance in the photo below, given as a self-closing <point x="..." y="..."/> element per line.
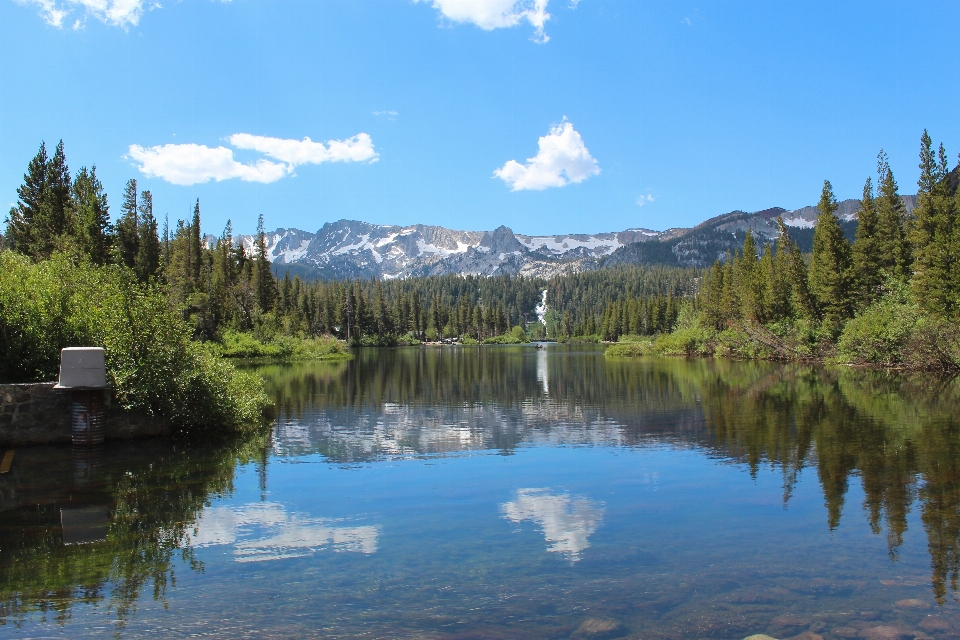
<point x="348" y="249"/>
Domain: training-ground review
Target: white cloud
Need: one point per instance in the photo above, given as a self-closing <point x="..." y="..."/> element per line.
<point x="390" y="113"/>
<point x="567" y="522"/>
<point x="119" y="13"/>
<point x="359" y="148"/>
<point x="642" y="200"/>
<point x="187" y="164"/>
<point x="562" y="159"/>
<point x="496" y="14"/>
<point x="267" y="531"/>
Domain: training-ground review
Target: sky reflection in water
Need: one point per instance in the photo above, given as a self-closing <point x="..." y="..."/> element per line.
<point x="510" y="492"/>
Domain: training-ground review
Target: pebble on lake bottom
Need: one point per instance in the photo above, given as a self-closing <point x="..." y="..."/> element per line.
<point x="759" y="636"/>
<point x="912" y="603"/>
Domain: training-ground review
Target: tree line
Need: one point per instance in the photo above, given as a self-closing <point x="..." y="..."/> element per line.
<point x="221" y="284"/>
<point x="841" y="279"/>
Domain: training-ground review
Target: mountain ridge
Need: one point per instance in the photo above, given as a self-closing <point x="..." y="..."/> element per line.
<point x="347" y="249"/>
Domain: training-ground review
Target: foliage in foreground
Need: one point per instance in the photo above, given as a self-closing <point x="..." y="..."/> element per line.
<point x="152" y="364"/>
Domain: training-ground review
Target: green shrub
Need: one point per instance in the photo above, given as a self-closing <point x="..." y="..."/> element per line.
<point x="629" y="349"/>
<point x="895" y="332"/>
<point x="152" y="364"/>
<point x="237" y="344"/>
<point x="879" y="334"/>
<point x="515" y="336"/>
<point x="687" y="341"/>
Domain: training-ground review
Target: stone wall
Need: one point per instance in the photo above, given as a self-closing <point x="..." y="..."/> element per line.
<point x="35" y="413"/>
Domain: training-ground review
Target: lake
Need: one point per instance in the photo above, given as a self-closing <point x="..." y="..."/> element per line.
<point x="509" y="492"/>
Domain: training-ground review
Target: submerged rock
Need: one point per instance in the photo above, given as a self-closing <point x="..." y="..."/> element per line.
<point x="885" y="632"/>
<point x="934" y="623"/>
<point x="599" y="628"/>
<point x="846" y="632"/>
<point x="759" y="636"/>
<point x="791" y="620"/>
<point x="912" y="603"/>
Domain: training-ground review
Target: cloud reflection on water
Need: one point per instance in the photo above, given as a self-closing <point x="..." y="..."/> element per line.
<point x="567" y="522"/>
<point x="267" y="531"/>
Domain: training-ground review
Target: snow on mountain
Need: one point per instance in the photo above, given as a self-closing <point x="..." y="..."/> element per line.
<point x="354" y="249"/>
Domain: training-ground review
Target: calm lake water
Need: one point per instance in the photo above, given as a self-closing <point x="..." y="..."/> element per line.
<point x="509" y="492"/>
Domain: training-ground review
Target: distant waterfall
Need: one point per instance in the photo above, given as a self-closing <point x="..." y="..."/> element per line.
<point x="542" y="308"/>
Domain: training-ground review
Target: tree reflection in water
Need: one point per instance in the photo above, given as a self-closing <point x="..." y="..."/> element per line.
<point x="150" y="493"/>
<point x="899" y="432"/>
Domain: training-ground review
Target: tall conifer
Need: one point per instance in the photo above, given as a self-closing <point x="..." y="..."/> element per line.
<point x="21" y="231"/>
<point x="781" y="286"/>
<point x="56" y="209"/>
<point x="830" y="262"/>
<point x="891" y="222"/>
<point x="148" y="242"/>
<point x="128" y="226"/>
<point x="933" y="232"/>
<point x="747" y="277"/>
<point x="92" y="216"/>
<point x="867" y="259"/>
<point x="196" y="248"/>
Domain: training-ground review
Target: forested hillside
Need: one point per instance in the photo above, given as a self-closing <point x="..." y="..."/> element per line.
<point x="903" y="248"/>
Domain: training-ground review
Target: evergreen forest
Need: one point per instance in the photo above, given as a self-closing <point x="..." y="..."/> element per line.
<point x="889" y="297"/>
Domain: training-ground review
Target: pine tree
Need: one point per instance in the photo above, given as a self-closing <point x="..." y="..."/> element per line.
<point x="765" y="283"/>
<point x="56" y="210"/>
<point x="263" y="282"/>
<point x="867" y="259"/>
<point x="780" y="292"/>
<point x="933" y="232"/>
<point x="128" y="226"/>
<point x="747" y="278"/>
<point x="713" y="297"/>
<point x="148" y="242"/>
<point x="92" y="215"/>
<point x="730" y="298"/>
<point x="196" y="248"/>
<point x="891" y="222"/>
<point x="21" y="231"/>
<point x="830" y="262"/>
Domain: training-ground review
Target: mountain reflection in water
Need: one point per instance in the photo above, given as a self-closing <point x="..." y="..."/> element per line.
<point x="898" y="432"/>
<point x="416" y="464"/>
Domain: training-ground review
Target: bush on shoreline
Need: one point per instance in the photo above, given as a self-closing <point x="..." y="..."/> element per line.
<point x="235" y="344"/>
<point x="515" y="336"/>
<point x="152" y="364"/>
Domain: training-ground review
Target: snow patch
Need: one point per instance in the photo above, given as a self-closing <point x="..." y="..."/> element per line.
<point x="559" y="245"/>
<point x="800" y="223"/>
<point x="292" y="255"/>
<point x="353" y="247"/>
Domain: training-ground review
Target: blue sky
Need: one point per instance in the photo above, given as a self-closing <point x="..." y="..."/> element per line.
<point x="635" y="114"/>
